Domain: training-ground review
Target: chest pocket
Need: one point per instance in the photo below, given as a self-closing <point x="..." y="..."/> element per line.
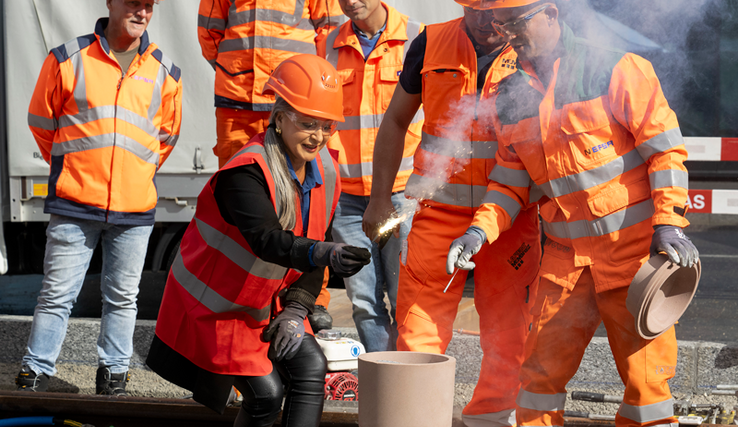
<point x="441" y="84"/>
<point x="524" y="140"/>
<point x="389" y="76"/>
<point x="588" y="130"/>
<point x="347" y="80"/>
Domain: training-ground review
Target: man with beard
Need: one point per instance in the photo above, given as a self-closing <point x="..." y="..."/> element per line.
<point x="453" y="67"/>
<point x="588" y="129"/>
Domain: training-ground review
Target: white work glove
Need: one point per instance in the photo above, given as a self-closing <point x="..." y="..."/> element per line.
<point x="463" y="248"/>
<point x="675" y="244"/>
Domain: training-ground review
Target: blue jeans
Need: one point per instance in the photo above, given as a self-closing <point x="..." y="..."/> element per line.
<point x="376" y="325"/>
<point x="70" y="243"/>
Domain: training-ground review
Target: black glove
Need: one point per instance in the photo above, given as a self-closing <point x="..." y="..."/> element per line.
<point x="677" y="246"/>
<point x="344" y="259"/>
<point x="285" y="332"/>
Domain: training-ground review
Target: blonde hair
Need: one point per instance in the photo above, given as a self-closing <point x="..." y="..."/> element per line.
<point x="276" y="157"/>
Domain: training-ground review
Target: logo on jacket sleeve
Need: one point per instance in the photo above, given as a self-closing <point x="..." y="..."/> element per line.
<point x="596" y="148"/>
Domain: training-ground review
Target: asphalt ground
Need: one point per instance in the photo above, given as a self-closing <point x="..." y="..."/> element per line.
<point x="712" y="315"/>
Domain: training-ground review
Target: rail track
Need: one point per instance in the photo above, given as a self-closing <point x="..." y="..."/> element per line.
<point x="108" y="411"/>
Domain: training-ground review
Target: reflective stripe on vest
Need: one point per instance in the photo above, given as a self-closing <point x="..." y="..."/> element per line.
<point x="238" y="254"/>
<point x="367" y="168"/>
<point x="329" y="181"/>
<point x="541" y="402"/>
<point x="208" y="297"/>
<point x="438" y="190"/>
<point x="458" y="149"/>
<point x="87" y="115"/>
<point x="601" y="226"/>
<point x="648" y="413"/>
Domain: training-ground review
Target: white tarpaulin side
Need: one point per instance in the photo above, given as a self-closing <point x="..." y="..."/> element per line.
<point x="33" y="27"/>
<point x="428" y="11"/>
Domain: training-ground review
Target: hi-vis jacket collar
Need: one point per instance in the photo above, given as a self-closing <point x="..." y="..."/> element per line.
<point x="100" y="26"/>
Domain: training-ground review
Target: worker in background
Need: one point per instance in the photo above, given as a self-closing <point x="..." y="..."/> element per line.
<point x="244" y="41"/>
<point x="588" y="131"/>
<point x="251" y="263"/>
<point x="452" y="67"/>
<point x="368" y="52"/>
<point x="106" y="114"/>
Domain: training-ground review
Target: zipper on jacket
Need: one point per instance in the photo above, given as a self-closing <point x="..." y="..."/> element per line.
<point x="115" y="141"/>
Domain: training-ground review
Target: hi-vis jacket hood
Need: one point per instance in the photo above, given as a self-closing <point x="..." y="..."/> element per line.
<point x="600" y="150"/>
<point x="245" y="40"/>
<point x="219" y="295"/>
<point x="105" y="132"/>
<point x="368" y="86"/>
<point x="458" y="146"/>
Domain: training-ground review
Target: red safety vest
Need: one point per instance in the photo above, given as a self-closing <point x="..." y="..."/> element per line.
<point x="219" y="296"/>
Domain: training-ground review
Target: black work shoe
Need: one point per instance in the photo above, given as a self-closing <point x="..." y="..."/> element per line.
<point x="27" y="380"/>
<point x="320" y="318"/>
<point x="110" y="384"/>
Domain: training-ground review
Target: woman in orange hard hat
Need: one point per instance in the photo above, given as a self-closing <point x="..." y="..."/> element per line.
<point x="251" y="262"/>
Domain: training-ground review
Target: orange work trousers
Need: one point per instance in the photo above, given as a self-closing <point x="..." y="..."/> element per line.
<point x="505" y="282"/>
<point x="564" y="323"/>
<point x="234" y="128"/>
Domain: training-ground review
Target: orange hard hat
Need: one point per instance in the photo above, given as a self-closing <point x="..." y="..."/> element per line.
<point x="310" y="85"/>
<point x="501" y="4"/>
<point x="475" y="4"/>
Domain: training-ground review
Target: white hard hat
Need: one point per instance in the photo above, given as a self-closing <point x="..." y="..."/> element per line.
<point x="660" y="293"/>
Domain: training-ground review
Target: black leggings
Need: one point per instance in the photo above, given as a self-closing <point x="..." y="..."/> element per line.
<point x="304" y="378"/>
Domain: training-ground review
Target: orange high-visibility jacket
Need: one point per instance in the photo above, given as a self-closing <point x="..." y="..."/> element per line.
<point x="245" y="40"/>
<point x="368" y="87"/>
<point x="105" y="134"/>
<point x="457" y="151"/>
<point x="603" y="149"/>
<point x="219" y="296"/>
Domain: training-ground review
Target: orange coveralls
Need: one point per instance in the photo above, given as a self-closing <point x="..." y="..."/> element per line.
<point x="603" y="152"/>
<point x="451" y="169"/>
<point x="244" y="40"/>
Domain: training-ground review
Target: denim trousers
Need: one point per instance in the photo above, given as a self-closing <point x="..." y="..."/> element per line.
<point x="376" y="324"/>
<point x="70" y="243"/>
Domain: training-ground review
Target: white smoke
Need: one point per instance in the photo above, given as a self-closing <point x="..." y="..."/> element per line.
<point x="685" y="40"/>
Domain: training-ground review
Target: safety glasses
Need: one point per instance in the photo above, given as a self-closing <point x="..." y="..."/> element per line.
<point x="519" y="25"/>
<point x="310" y="125"/>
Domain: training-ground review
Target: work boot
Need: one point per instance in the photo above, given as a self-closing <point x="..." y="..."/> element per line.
<point x="27" y="380"/>
<point x="110" y="384"/>
<point x="320" y="318"/>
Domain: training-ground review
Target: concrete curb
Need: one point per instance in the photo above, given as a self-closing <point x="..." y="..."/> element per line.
<point x="701" y="365"/>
